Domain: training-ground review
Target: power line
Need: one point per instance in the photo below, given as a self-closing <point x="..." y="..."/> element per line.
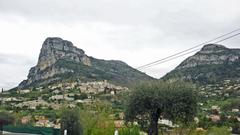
<point x="176" y="54"/>
<point x="172" y="58"/>
<point x="189" y="48"/>
<point x="226" y="38"/>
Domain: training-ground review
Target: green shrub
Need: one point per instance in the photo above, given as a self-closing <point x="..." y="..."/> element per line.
<point x="70" y="121"/>
<point x="129" y="131"/>
<point x="96" y="121"/>
<point x="219" y="131"/>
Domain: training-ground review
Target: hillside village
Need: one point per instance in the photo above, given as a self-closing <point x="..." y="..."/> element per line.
<point x="220" y="101"/>
<point x="53" y="97"/>
<point x="225" y="88"/>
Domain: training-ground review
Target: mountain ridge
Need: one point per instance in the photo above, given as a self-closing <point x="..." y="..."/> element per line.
<point x="213" y="63"/>
<point x="60" y="60"/>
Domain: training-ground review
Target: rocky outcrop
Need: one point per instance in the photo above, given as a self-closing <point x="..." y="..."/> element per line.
<point x="213" y="63"/>
<point x="60" y="60"/>
<point x="54" y="49"/>
<point x="211" y="54"/>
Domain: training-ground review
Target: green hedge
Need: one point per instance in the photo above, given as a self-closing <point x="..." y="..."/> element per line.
<point x="31" y="130"/>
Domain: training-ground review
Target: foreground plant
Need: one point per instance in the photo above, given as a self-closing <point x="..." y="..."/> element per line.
<point x="152" y="101"/>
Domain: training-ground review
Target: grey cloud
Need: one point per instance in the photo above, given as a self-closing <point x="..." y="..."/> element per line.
<point x="181" y="20"/>
<point x="62" y="10"/>
<point x="14" y="69"/>
<point x="15" y="59"/>
<point x="118" y="12"/>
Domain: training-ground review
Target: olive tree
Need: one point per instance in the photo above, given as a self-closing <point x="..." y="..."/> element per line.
<point x="151" y="101"/>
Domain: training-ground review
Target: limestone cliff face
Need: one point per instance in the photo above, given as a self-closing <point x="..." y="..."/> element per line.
<point x="211" y="64"/>
<point x="211" y="54"/>
<point x="61" y="61"/>
<point x="54" y="49"/>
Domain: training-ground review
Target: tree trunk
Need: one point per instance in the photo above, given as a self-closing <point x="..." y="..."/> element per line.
<point x="1" y="128"/>
<point x="153" y="130"/>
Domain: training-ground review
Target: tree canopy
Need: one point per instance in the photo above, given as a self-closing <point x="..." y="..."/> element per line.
<point x="150" y="101"/>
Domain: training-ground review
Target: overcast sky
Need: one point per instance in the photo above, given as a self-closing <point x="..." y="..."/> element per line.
<point x="134" y="31"/>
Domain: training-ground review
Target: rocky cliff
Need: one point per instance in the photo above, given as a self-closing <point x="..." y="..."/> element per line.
<point x="60" y="60"/>
<point x="213" y="63"/>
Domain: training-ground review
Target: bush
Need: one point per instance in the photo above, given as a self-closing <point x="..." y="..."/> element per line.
<point x="219" y="131"/>
<point x="71" y="122"/>
<point x="81" y="96"/>
<point x="129" y="131"/>
<point x="5" y="119"/>
<point x="96" y="121"/>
